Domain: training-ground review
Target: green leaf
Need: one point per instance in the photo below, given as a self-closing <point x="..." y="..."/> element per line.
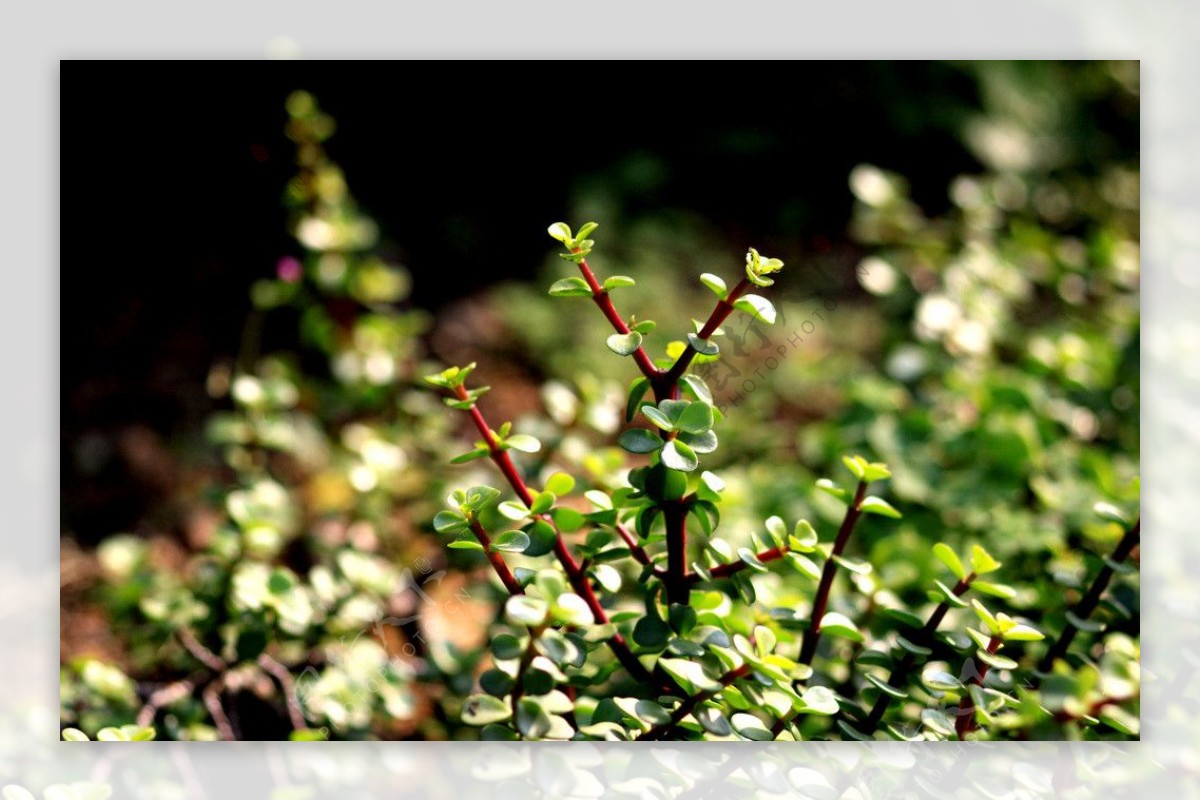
<point x="758" y="267"/>
<point x="705" y="347"/>
<point x="853" y="565"/>
<point x="560" y="484"/>
<point x="1119" y="719"/>
<point x="715" y="283"/>
<point x="637" y="391"/>
<point x="465" y="544"/>
<point x="819" y="701"/>
<point x="309" y="735"/>
<point x="804" y="537"/>
<point x="624" y="344"/>
<point x="985" y="615"/>
<point x="678" y="456"/>
<point x="757" y="306"/>
<point x="981" y="561"/>
<point x="885" y="687"/>
<point x="480" y="710"/>
<point x="568" y="520"/>
<point x="949" y="558"/>
<point x="448" y="522"/>
<point x="697" y="418"/>
<point x="651" y="632"/>
<point x="506" y="646"/>
<point x="542" y="502"/>
<point x="827" y="486"/>
<point x="570" y="609"/>
<point x="524" y="610"/>
<point x="995" y="590"/>
<point x="803" y="565"/>
<point x="586" y="229"/>
<point x="996" y="660"/>
<point x="573" y="287"/>
<point x="523" y="443"/>
<point x="698" y="388"/>
<point x="476" y="498"/>
<point x="912" y="647"/>
<point x="617" y="281"/>
<point x="644" y="328"/>
<point x="690" y="675"/>
<point x="1023" y="632"/>
<point x="838" y="625"/>
<point x="639" y="440"/>
<point x="562" y="232"/>
<point x="74" y="736"/>
<point x="878" y="506"/>
<point x="1111" y="513"/>
<point x="513" y="510"/>
<point x="1083" y="624"/>
<point x="511" y="541"/>
<point x="750" y="727"/>
<point x="470" y="456"/>
<point x="700" y="443"/>
<point x="938" y="721"/>
<point x="940" y="680"/>
<point x="608" y="577"/>
<point x="947" y="594"/>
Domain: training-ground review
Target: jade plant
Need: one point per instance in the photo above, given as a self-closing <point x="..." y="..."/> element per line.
<point x="627" y="616"/>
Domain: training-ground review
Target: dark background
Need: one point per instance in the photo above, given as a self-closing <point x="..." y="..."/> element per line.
<point x="172" y="175"/>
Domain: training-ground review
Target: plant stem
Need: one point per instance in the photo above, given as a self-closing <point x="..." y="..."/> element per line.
<point x="966" y="709"/>
<point x="899" y="674"/>
<point x="676" y="580"/>
<point x="726" y="570"/>
<point x="605" y="304"/>
<point x="575" y="574"/>
<point x="1083" y="610"/>
<point x="501" y="567"/>
<point x="689" y="705"/>
<point x="636" y="550"/>
<point x="723" y="309"/>
<point x="809" y="648"/>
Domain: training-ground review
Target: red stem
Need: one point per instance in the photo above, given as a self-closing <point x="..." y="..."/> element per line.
<point x="638" y="552"/>
<point x="723" y="571"/>
<point x="1089" y="602"/>
<point x="663" y="729"/>
<point x="506" y="576"/>
<point x="604" y="302"/>
<point x="900" y="673"/>
<point x="966" y="710"/>
<point x="574" y="573"/>
<point x="813" y="634"/>
<point x="719" y="314"/>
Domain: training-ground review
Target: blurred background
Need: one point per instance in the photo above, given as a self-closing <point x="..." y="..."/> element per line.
<point x="960" y="300"/>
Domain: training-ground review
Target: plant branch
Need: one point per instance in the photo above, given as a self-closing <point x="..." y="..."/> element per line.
<point x="164" y="696"/>
<point x="900" y="672"/>
<point x="288" y="686"/>
<point x="719" y="314"/>
<point x="676" y="580"/>
<point x="635" y="549"/>
<point x="575" y="574"/>
<point x="689" y="705"/>
<point x="1083" y="610"/>
<point x="605" y="304"/>
<point x="498" y="564"/>
<point x="809" y="648"/>
<point x="726" y="570"/>
<point x="966" y="709"/>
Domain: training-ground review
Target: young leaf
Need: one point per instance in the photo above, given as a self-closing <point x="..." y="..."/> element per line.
<point x="560" y="484"/>
<point x="615" y="281"/>
<point x="624" y="344"/>
<point x="949" y="558"/>
<point x="715" y="283"/>
<point x="878" y="506"/>
<point x="757" y="306"/>
<point x="469" y="456"/>
<point x="542" y="502"/>
<point x="658" y="418"/>
<point x="573" y="287"/>
<point x="690" y="675"/>
<point x="448" y="522"/>
<point x="981" y="561"/>
<point x="562" y="232"/>
<point x="827" y="486"/>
